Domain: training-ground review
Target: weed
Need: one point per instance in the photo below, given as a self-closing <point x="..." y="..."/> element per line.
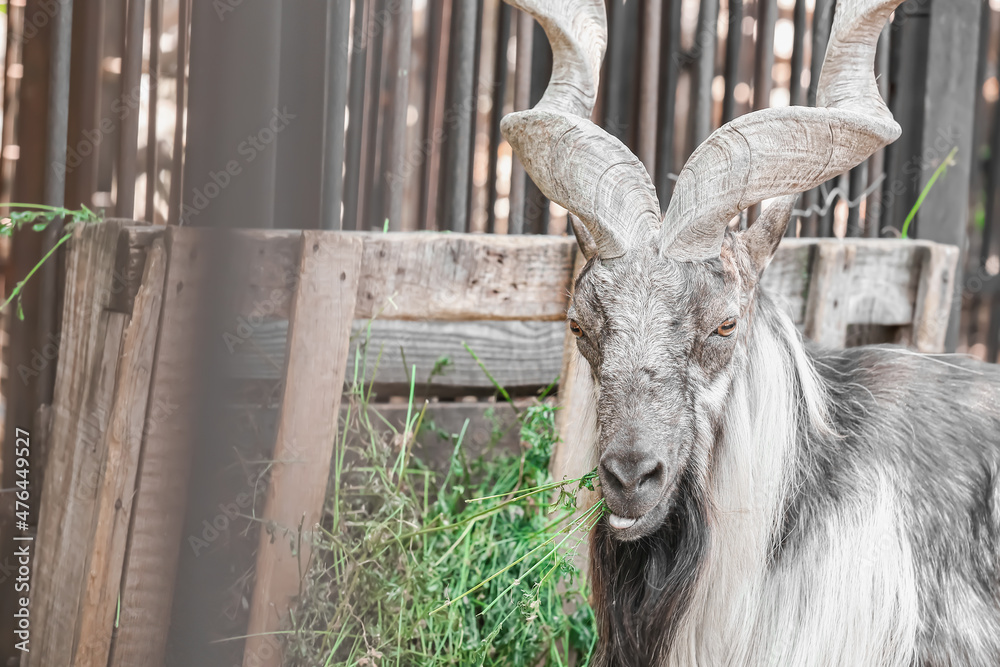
<point x="466" y="566"/>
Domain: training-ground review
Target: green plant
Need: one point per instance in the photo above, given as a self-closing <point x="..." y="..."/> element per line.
<point x="466" y="566"/>
<point x="40" y="216"/>
<point x="948" y="161"/>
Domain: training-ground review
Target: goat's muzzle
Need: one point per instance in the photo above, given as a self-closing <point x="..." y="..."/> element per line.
<point x="633" y="484"/>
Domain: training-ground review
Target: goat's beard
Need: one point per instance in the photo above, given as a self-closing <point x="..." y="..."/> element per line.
<point x="642" y="588"/>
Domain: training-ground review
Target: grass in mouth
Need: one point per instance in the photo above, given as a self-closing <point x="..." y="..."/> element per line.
<point x="472" y="566"/>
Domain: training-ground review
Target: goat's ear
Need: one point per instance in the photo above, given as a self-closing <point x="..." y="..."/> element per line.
<point x="764" y="235"/>
<point x="583" y="238"/>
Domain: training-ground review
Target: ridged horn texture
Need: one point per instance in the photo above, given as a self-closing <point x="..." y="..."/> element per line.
<point x="775" y="152"/>
<point x="573" y="161"/>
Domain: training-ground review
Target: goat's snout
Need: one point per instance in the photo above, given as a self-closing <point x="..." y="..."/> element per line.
<point x="632" y="485"/>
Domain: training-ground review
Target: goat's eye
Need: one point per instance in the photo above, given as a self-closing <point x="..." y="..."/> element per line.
<point x="575" y="328"/>
<point x="727" y="328"/>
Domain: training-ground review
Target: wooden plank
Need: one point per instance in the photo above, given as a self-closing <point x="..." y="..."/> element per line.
<point x="307" y="428"/>
<point x="468" y="277"/>
<point x="85" y="376"/>
<point x="134" y="242"/>
<point x="934" y="298"/>
<point x="787" y="277"/>
<point x="826" y="309"/>
<point x="122" y="444"/>
<point x="418" y="276"/>
<point x="152" y="554"/>
<point x="518" y="354"/>
<point x="464" y="277"/>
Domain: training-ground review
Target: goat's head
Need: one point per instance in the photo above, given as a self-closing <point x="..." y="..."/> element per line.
<point x="661" y="311"/>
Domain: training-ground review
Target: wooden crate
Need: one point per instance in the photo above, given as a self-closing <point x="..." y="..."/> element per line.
<point x="112" y="515"/>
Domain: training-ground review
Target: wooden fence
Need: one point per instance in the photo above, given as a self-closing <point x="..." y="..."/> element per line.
<point x="122" y="508"/>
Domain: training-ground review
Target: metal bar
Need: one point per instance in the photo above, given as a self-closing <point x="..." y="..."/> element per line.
<point x="822" y="21"/>
<point x="734" y="39"/>
<point x="84" y="102"/>
<point x="522" y="99"/>
<point x="496" y="112"/>
<point x="798" y="52"/>
<point x="437" y="45"/>
<point x="619" y="72"/>
<point x="55" y="179"/>
<point x="536" y="205"/>
<point x="473" y="103"/>
<point x="129" y="137"/>
<point x="177" y="164"/>
<point x="652" y="24"/>
<point x="669" y="73"/>
<point x="152" y="145"/>
<point x="876" y="164"/>
<point x="356" y="104"/>
<point x="858" y="179"/>
<point x="230" y="168"/>
<point x="303" y="84"/>
<point x="461" y="82"/>
<point x="394" y="143"/>
<point x="704" y="52"/>
<point x="767" y="14"/>
<point x="367" y="217"/>
<point x="338" y="21"/>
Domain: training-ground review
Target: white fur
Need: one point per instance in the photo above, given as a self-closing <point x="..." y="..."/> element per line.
<point x="846" y="597"/>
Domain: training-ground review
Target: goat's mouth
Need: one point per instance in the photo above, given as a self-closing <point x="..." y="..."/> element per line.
<point x="634" y="527"/>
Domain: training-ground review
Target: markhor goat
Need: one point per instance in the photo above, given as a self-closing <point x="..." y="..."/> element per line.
<point x="772" y="503"/>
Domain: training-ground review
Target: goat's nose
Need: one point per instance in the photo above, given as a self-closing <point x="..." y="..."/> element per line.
<point x="632" y="485"/>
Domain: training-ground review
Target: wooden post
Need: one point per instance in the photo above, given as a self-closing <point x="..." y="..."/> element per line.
<point x="932" y="309"/>
<point x="150" y="568"/>
<point x="122" y="444"/>
<point x="88" y="358"/>
<point x="827" y="304"/>
<point x="322" y="310"/>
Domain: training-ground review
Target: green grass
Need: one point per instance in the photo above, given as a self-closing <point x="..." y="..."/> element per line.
<point x="468" y="566"/>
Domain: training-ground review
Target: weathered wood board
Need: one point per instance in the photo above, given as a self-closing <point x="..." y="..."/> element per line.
<point x="516" y="353"/>
<point x="421" y="276"/>
<point x="151" y="558"/>
<point x="318" y="338"/>
<point x="85" y="379"/>
<point x="123" y="442"/>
